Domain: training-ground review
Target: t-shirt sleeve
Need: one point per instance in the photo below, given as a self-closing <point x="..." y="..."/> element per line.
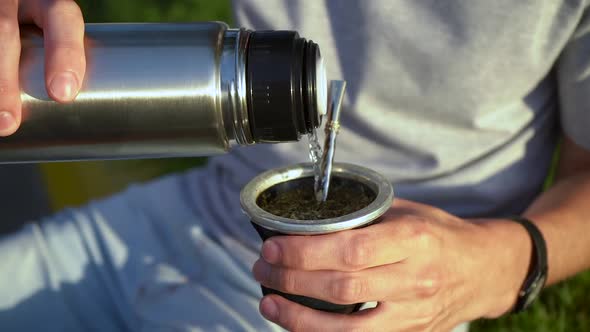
<point x="573" y="75"/>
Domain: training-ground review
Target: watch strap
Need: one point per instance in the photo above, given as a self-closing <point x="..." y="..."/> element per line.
<point x="537" y="273"/>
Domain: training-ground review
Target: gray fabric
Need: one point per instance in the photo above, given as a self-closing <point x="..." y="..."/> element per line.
<point x="22" y="196"/>
<point x="142" y="260"/>
<point x="138" y="261"/>
<point x="455" y="101"/>
<point x="573" y="72"/>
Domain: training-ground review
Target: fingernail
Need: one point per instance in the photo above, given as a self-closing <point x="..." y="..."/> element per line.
<point x="269" y="309"/>
<point x="261" y="271"/>
<point x="271" y="252"/>
<point x="64" y="86"/>
<point x="7" y="123"/>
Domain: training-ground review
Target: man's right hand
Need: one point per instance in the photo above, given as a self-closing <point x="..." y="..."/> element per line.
<point x="65" y="64"/>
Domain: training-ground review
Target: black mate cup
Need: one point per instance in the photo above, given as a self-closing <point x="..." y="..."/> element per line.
<point x="356" y="182"/>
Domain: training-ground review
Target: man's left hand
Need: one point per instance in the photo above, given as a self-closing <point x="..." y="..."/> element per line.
<point x="428" y="271"/>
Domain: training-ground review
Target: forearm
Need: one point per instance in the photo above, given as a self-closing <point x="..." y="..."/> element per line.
<point x="562" y="214"/>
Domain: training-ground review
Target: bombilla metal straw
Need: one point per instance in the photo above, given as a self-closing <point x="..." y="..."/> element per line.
<point x="336" y="96"/>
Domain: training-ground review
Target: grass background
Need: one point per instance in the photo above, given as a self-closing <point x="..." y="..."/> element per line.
<point x="564" y="307"/>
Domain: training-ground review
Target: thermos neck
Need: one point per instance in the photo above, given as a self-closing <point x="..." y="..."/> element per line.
<point x="273" y="86"/>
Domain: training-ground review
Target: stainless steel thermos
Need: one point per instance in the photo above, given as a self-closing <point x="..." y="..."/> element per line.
<point x="167" y="90"/>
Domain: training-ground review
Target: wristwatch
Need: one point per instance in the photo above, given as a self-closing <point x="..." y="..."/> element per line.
<point x="537" y="274"/>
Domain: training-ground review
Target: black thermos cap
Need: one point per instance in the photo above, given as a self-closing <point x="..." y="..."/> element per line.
<point x="282" y="92"/>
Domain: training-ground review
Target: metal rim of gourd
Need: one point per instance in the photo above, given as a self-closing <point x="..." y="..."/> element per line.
<point x="375" y="181"/>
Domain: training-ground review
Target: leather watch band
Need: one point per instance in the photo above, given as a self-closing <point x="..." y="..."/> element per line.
<point x="537" y="274"/>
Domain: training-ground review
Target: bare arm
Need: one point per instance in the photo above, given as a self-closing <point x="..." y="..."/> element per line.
<point x="563" y="214"/>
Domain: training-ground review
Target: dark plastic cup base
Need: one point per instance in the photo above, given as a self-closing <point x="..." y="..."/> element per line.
<point x="315" y="303"/>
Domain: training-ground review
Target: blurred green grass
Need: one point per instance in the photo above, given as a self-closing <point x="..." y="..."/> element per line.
<point x="155" y="10"/>
<point x="563" y="307"/>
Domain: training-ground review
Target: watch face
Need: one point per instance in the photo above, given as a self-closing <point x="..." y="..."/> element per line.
<point x="534" y="290"/>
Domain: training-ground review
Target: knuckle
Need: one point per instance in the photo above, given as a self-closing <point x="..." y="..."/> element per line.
<point x="422" y="234"/>
<point x="429" y="312"/>
<point x="71" y="46"/>
<point x="8" y="27"/>
<point x="4" y="87"/>
<point x="349" y="289"/>
<point x="296" y="326"/>
<point x="71" y="50"/>
<point x="67" y="8"/>
<point x="439" y="214"/>
<point x="301" y="258"/>
<point x="360" y="252"/>
<point x="424" y="325"/>
<point x="427" y="319"/>
<point x="428" y="283"/>
<point x="7" y="88"/>
<point x="286" y="280"/>
<point x="363" y="325"/>
<point x="293" y="321"/>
